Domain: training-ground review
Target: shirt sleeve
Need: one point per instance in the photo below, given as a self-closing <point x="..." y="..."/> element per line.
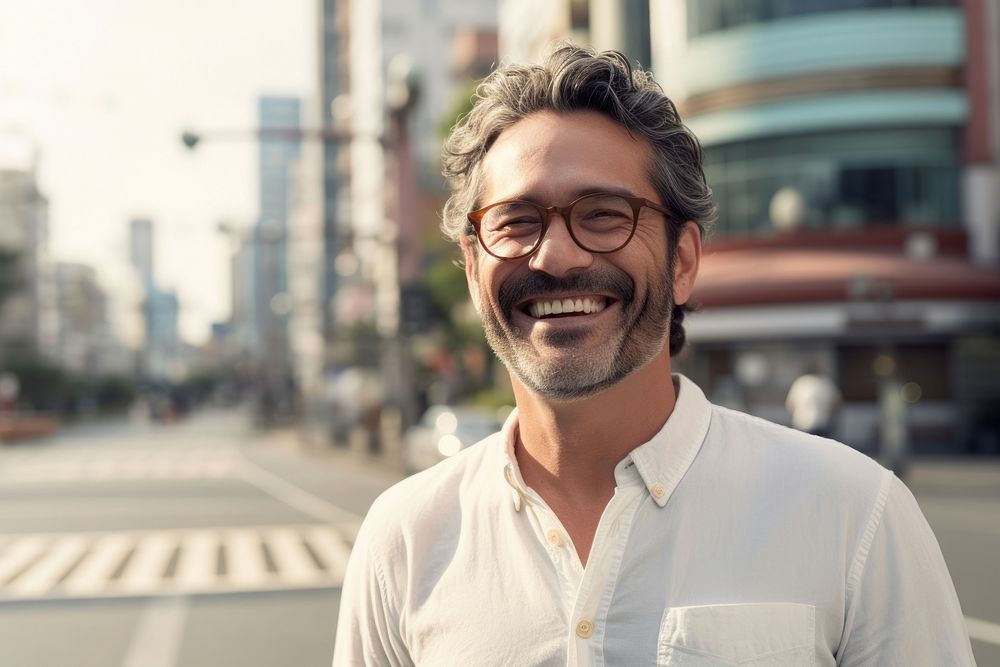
<point x="368" y="630"/>
<point x="902" y="608"/>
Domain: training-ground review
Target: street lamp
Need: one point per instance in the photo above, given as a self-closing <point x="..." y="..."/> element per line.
<point x="191" y="138"/>
<point x="395" y="356"/>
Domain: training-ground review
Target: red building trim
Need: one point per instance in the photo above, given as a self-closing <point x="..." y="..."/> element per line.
<point x="977" y="145"/>
<point x="773" y="276"/>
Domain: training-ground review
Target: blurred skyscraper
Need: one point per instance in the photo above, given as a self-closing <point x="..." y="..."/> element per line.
<point x="86" y="342"/>
<point x="280" y="122"/>
<point x="28" y="316"/>
<point x="854" y="151"/>
<point x="140" y="240"/>
<point x="389" y="77"/>
<point x="153" y="327"/>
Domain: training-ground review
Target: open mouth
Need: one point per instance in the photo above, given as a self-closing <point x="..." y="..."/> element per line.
<point x="542" y="309"/>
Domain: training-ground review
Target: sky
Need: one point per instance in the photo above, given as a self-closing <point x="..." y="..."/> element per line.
<point x="100" y="91"/>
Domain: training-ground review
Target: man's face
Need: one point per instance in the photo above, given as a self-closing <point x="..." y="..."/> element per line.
<point x="552" y="159"/>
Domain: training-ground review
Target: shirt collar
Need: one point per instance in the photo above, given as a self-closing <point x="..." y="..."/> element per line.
<point x="659" y="463"/>
<point x="663" y="461"/>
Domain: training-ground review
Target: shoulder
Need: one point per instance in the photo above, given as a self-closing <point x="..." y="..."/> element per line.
<point x="757" y="449"/>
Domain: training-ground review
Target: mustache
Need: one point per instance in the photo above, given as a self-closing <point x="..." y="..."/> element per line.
<point x="535" y="284"/>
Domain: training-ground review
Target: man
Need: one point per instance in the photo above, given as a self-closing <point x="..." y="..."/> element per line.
<point x="619" y="518"/>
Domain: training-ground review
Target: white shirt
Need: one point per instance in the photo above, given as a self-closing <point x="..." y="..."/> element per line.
<point x="729" y="540"/>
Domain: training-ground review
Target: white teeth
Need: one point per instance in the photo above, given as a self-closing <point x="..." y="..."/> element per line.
<point x="559" y="306"/>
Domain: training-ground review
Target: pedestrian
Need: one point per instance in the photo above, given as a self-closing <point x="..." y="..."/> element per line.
<point x="812" y="403"/>
<point x="618" y="517"/>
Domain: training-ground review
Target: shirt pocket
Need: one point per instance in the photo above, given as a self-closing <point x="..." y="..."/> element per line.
<point x="765" y="635"/>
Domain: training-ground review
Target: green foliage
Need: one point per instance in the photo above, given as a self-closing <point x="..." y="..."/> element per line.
<point x="445" y="284"/>
<point x="493" y="398"/>
<point x="45" y="386"/>
<point x="461" y="105"/>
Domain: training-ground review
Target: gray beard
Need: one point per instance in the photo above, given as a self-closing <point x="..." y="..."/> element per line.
<point x="644" y="328"/>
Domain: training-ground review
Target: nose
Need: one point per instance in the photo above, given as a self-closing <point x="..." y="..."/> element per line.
<point x="558" y="254"/>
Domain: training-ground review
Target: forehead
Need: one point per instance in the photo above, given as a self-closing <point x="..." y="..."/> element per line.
<point x="554" y="157"/>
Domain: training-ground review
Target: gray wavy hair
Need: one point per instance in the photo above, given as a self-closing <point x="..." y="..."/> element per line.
<point x="575" y="78"/>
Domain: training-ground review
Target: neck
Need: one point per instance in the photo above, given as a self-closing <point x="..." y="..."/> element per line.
<point x="570" y="448"/>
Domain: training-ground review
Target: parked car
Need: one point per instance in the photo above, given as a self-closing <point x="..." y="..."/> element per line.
<point x="445" y="430"/>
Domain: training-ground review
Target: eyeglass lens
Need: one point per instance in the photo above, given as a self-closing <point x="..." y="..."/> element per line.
<point x="600" y="223"/>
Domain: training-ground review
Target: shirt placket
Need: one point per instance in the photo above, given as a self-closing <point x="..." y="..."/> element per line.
<point x="588" y="617"/>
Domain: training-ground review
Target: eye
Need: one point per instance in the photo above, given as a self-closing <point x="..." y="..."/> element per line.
<point x="515" y="222"/>
<point x="606" y="213"/>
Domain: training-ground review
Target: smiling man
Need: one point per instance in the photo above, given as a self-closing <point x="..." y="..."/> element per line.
<point x="619" y="518"/>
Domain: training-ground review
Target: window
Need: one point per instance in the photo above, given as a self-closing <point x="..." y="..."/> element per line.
<point x="907" y="177"/>
<point x="705" y="16"/>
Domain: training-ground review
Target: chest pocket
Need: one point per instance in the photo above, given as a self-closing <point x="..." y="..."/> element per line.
<point x="765" y="635"/>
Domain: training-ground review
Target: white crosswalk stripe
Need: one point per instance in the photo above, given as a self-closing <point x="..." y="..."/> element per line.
<point x="42" y="466"/>
<point x="200" y="561"/>
<point x="149" y="561"/>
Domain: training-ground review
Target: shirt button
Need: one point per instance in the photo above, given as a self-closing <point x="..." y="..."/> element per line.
<point x="657" y="490"/>
<point x="584" y="629"/>
<point x="554" y="538"/>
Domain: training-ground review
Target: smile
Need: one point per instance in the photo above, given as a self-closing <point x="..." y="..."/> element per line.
<point x="567" y="306"/>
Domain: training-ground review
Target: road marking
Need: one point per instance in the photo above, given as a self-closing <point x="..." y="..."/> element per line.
<point x="245" y="564"/>
<point x="293" y="496"/>
<point x="197" y="565"/>
<point x="156" y="641"/>
<point x="50" y="568"/>
<point x="18" y="554"/>
<point x="124" y="465"/>
<point x="290" y="556"/>
<point x="106" y="555"/>
<point x="983" y="631"/>
<point x="148" y="564"/>
<point x="329" y="546"/>
<point x="201" y="561"/>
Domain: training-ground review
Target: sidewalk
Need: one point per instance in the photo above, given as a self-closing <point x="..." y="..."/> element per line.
<point x="972" y="475"/>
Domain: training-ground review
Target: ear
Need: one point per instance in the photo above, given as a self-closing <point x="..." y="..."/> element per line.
<point x="471" y="270"/>
<point x="686" y="263"/>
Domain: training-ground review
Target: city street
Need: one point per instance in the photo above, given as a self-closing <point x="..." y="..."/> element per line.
<point x="206" y="544"/>
<point x="193" y="544"/>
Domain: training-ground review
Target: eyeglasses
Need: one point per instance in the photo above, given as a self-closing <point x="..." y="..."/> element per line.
<point x="600" y="223"/>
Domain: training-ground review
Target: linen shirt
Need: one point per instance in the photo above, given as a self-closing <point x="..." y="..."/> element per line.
<point x="729" y="540"/>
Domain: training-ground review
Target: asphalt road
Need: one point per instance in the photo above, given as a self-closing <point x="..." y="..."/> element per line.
<point x="206" y="544"/>
<point x="961" y="500"/>
<point x="196" y="544"/>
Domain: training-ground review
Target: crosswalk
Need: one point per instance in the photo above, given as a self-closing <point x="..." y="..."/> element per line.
<point x="200" y="561"/>
<point x="98" y="465"/>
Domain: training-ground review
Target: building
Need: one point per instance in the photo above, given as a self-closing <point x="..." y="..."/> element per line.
<point x="28" y="316"/>
<point x="854" y="152"/>
<point x="402" y="86"/>
<point x="140" y="245"/>
<point x="243" y="298"/>
<point x="151" y="327"/>
<point x="280" y="122"/>
<point x="86" y="343"/>
<point x="164" y="352"/>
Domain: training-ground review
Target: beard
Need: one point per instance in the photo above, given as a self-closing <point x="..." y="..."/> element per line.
<point x="556" y="369"/>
